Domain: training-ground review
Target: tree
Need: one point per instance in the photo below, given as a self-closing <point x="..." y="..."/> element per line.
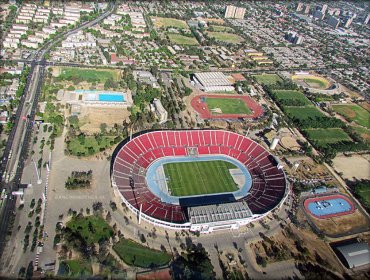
<point x="97" y="206"/>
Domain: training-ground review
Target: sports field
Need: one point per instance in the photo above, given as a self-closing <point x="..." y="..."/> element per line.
<point x="169" y="22"/>
<point x="327" y="136"/>
<point x="354" y="112"/>
<point x="89" y="75"/>
<point x="291" y="98"/>
<point x="220" y="28"/>
<point x="302" y="113"/>
<point x="181" y="39"/>
<point x="200" y="177"/>
<point x="329" y="206"/>
<point x="312" y="81"/>
<point x="136" y="254"/>
<point x="228" y="106"/>
<point x="267" y="79"/>
<point x="226" y="37"/>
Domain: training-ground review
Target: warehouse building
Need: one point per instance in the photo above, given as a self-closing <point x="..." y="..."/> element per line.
<point x="354" y="255"/>
<point x="212" y="81"/>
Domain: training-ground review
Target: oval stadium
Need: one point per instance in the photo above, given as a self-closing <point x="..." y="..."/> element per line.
<point x="200" y="180"/>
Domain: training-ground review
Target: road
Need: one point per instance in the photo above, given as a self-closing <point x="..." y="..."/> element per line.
<point x="20" y="136"/>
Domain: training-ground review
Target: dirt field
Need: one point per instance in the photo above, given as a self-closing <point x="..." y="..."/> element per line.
<point x="215" y="20"/>
<point x="92" y="118"/>
<point x="290" y="143"/>
<point x="341" y="224"/>
<point x="355" y="166"/>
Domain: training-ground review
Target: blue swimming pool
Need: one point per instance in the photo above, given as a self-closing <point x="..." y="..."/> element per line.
<point x="111" y="98"/>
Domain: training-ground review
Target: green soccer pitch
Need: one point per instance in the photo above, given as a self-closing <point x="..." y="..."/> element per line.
<point x="199" y="177"/>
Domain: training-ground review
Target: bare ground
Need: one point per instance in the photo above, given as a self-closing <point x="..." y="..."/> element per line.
<point x="356" y="166"/>
<point x="93" y="117"/>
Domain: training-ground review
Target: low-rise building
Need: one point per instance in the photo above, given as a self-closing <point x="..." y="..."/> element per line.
<point x="212" y="81"/>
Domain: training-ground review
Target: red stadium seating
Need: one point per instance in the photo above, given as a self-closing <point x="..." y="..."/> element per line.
<point x="135" y="156"/>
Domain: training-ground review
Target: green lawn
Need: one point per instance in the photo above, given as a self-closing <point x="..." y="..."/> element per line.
<point x="200" y="177"/>
<point x="267" y="79"/>
<point x="327" y="136"/>
<point x="302" y="113"/>
<point x="354" y="112"/>
<point x="181" y="39"/>
<point x="89" y="75"/>
<point x="91" y="228"/>
<point x="89" y="145"/>
<point x="136" y="254"/>
<point x="75" y="269"/>
<point x="316" y="83"/>
<point x="228" y="105"/>
<point x="169" y="22"/>
<point x="291" y="97"/>
<point x="220" y="28"/>
<point x="226" y="37"/>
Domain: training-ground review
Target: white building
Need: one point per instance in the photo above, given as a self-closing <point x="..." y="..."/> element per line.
<point x="20" y="26"/>
<point x="12" y="45"/>
<point x="212" y="81"/>
<point x="29" y="44"/>
<point x="79" y="40"/>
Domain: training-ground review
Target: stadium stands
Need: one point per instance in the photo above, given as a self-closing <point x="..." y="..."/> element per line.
<point x="268" y="186"/>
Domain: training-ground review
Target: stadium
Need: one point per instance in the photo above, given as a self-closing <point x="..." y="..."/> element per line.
<point x="199" y="180"/>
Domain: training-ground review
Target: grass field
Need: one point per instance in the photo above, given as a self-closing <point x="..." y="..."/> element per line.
<point x="226" y="37"/>
<point x="91" y="228"/>
<point x="220" y="28"/>
<point x="89" y="145"/>
<point x="313" y="81"/>
<point x="169" y="22"/>
<point x="302" y="113"/>
<point x="201" y="177"/>
<point x="355" y="113"/>
<point x="89" y="75"/>
<point x="286" y="96"/>
<point x="327" y="136"/>
<point x="136" y="254"/>
<point x="267" y="79"/>
<point x="182" y="40"/>
<point x="228" y="105"/>
<point x="76" y="268"/>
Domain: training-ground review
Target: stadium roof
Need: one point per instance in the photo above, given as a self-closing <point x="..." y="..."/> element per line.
<point x="219" y="212"/>
<point x="208" y="79"/>
<point x="355" y="254"/>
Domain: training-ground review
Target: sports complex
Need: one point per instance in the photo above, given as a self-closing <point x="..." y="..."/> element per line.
<point x="216" y="106"/>
<point x="200" y="180"/>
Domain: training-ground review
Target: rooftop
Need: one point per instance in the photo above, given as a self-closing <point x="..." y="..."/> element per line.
<point x="219" y="212"/>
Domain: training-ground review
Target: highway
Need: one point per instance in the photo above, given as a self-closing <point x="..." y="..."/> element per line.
<point x="16" y="149"/>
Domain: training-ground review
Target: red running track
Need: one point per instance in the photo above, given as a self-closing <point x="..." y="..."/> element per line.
<point x="335" y="196"/>
<point x="196" y="103"/>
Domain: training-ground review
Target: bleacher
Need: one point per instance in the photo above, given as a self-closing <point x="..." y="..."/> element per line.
<point x="268" y="186"/>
